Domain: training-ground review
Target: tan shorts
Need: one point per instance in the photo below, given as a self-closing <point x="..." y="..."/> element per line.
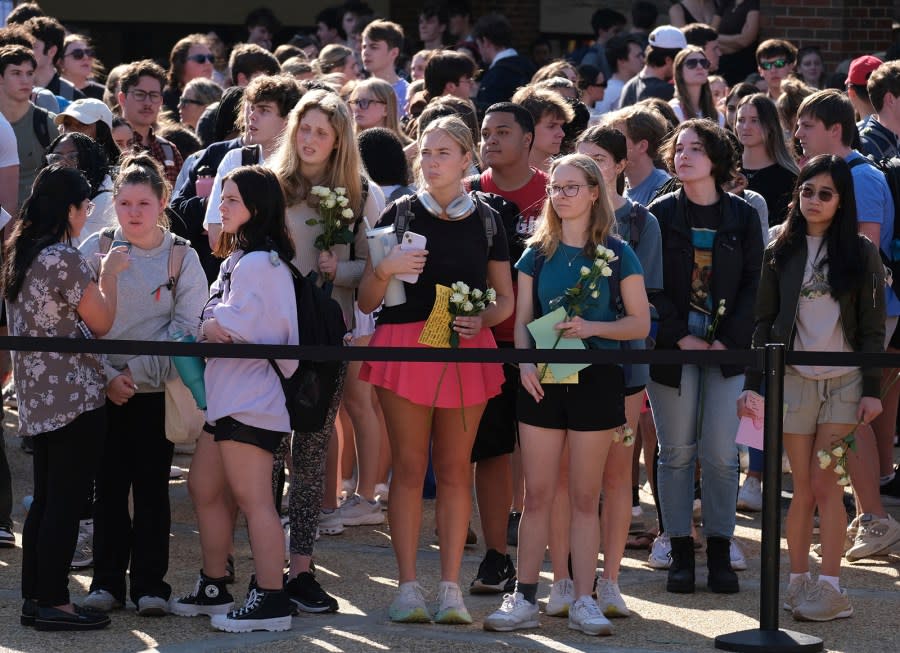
<point x="810" y="402"/>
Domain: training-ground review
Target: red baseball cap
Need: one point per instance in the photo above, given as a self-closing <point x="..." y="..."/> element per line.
<point x="861" y="68"/>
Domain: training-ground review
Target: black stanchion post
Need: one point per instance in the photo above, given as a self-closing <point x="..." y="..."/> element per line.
<point x="768" y="637"/>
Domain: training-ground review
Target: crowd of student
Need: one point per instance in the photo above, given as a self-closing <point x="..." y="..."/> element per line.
<point x="660" y="205"/>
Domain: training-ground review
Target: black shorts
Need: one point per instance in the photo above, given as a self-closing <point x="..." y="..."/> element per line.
<point x="498" y="431"/>
<point x="633" y="390"/>
<point x="228" y="428"/>
<point x="895" y="338"/>
<point x="595" y="403"/>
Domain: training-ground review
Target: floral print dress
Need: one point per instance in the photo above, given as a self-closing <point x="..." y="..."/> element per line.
<point x="54" y="388"/>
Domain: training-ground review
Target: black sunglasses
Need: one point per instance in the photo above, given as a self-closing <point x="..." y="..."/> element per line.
<point x="201" y="58"/>
<point x="80" y="53"/>
<point x="585" y="85"/>
<point x="182" y="101"/>
<point x="693" y="63"/>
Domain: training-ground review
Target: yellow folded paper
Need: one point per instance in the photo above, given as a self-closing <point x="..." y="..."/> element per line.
<point x="550" y="379"/>
<point x="436" y="332"/>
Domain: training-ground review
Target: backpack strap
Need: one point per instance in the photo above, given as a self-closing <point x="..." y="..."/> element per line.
<point x="168" y="150"/>
<point x="475" y="183"/>
<point x="177" y="252"/>
<point x="404" y="216"/>
<point x="615" y="291"/>
<point x="40" y="116"/>
<point x="250" y="155"/>
<point x="637" y="220"/>
<point x="539" y="260"/>
<point x="359" y="219"/>
<point x="488" y="219"/>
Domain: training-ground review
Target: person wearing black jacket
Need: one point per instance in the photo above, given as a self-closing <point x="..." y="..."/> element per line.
<point x="712" y="251"/>
<point x="507" y="70"/>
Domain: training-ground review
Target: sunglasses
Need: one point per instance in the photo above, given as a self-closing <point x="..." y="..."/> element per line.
<point x="824" y="195"/>
<point x="80" y="53"/>
<point x="184" y="100"/>
<point x="364" y="103"/>
<point x="693" y="63"/>
<point x="201" y="58"/>
<point x="585" y="85"/>
<point x="778" y="63"/>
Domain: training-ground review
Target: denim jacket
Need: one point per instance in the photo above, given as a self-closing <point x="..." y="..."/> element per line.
<point x="862" y="311"/>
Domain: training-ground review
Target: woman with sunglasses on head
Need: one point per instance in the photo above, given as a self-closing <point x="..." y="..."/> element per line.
<point x="573" y="425"/>
<point x="79" y="65"/>
<point x="821" y="290"/>
<point x="693" y="97"/>
<point x="766" y="161"/>
<point x="190" y="58"/>
<point x="78" y="151"/>
<point x="712" y="248"/>
<point x="50" y="291"/>
<point x="425" y="409"/>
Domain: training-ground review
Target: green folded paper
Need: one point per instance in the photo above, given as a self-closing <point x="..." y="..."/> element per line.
<point x="545" y="336"/>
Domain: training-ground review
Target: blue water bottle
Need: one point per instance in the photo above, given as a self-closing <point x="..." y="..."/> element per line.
<point x="190" y="369"/>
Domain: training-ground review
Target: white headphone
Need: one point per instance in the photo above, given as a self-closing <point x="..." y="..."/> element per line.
<point x="458" y="208"/>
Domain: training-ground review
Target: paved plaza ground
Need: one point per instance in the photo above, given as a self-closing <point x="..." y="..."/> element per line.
<point x="358" y="568"/>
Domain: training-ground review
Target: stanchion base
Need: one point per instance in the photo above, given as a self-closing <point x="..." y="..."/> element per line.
<point x="770" y="641"/>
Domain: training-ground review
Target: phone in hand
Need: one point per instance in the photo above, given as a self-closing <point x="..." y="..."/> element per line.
<point x="411" y="241"/>
<point x="121" y="243"/>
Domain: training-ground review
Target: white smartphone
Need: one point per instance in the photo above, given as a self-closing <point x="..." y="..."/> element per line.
<point x="411" y="241"/>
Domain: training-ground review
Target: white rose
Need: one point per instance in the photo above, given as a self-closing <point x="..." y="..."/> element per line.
<point x="824" y="460"/>
<point x="463" y="288"/>
<point x="721" y="310"/>
<point x="330" y="203"/>
<point x="340" y="190"/>
<point x="843" y="480"/>
<point x="839" y="470"/>
<point x="477" y="294"/>
<point x="347" y="213"/>
<point x="317" y="190"/>
<point x="585" y="271"/>
<point x="607" y="272"/>
<point x="342" y="201"/>
<point x="457" y="298"/>
<point x="838" y="451"/>
<point x="598" y="263"/>
<point x="491" y="295"/>
<point x="468" y="307"/>
<point x="595" y="294"/>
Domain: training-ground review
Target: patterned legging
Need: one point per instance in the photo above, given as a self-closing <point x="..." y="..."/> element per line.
<point x="309" y="452"/>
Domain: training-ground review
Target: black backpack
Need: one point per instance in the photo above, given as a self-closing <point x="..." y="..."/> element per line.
<point x="309" y="391"/>
<point x="890" y="168"/>
<point x="405" y="215"/>
<point x="39" y="118"/>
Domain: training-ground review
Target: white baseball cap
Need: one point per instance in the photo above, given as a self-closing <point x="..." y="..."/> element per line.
<point x="667" y="37"/>
<point x="87" y="111"/>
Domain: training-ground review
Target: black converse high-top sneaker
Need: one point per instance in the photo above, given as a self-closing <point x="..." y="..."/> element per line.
<point x="210" y="597"/>
<point x="263" y="610"/>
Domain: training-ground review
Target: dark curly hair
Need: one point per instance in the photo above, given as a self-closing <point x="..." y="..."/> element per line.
<point x="92" y="161"/>
<point x="717" y="145"/>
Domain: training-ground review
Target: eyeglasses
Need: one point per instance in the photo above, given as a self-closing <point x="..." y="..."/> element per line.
<point x="363" y="102"/>
<point x="186" y="100"/>
<point x="80" y="53"/>
<point x="824" y="195"/>
<point x="142" y="96"/>
<point x="201" y="58"/>
<point x="693" y="63"/>
<point x="569" y="190"/>
<point x="778" y="63"/>
<point x="70" y="158"/>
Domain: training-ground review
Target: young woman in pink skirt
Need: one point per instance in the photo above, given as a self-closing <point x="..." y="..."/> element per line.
<point x="458" y="248"/>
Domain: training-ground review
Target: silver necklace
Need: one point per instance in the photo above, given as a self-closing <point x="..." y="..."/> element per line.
<point x="572" y="258"/>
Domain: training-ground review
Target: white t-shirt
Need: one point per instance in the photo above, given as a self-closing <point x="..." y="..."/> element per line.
<point x="9" y="151"/>
<point x="679" y="111"/>
<point x="230" y="161"/>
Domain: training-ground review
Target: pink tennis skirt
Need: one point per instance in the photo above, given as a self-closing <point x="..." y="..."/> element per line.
<point x="418" y="382"/>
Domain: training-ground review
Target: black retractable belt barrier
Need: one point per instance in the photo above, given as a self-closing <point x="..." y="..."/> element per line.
<point x="768" y="637"/>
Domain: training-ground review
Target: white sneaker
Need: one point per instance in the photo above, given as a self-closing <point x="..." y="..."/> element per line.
<point x="152" y="606"/>
<point x="515" y="613"/>
<point x="356" y="511"/>
<point x="562" y="596"/>
<point x="610" y="600"/>
<point x="175" y="473"/>
<point x="382" y="493"/>
<point x="660" y="552"/>
<point x="874" y="536"/>
<point x="585" y="616"/>
<point x="451" y="608"/>
<point x="409" y="606"/>
<point x="738" y="561"/>
<point x="330" y="522"/>
<point x="750" y="495"/>
<point x="101" y="601"/>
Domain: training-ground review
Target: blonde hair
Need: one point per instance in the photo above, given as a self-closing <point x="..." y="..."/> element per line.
<point x="383" y="92"/>
<point x="331" y="57"/>
<point x="344" y="167"/>
<point x="456" y="130"/>
<point x="553" y="69"/>
<point x="602" y="222"/>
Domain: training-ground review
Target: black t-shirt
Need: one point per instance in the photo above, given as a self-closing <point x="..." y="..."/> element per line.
<point x="704" y="221"/>
<point x="775" y="184"/>
<point x="457" y="251"/>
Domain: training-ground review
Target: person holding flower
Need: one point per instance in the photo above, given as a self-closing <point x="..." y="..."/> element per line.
<point x="424" y="410"/>
<point x="319" y="151"/>
<point x="820" y="290"/>
<point x="712" y="249"/>
<point x="573" y="238"/>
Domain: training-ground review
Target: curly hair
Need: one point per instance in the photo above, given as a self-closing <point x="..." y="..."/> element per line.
<point x="92" y="161"/>
<point x="716" y="144"/>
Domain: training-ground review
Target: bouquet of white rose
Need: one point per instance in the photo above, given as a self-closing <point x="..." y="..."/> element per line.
<point x="335" y="216"/>
<point x="467" y="303"/>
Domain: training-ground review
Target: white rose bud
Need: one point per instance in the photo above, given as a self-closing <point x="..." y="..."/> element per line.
<point x="347" y="213"/>
<point x="838" y="451"/>
<point x="824" y="460"/>
<point x="595" y="294"/>
<point x="585" y="271"/>
<point x="330" y="203"/>
<point x="607" y="272"/>
<point x="491" y="295"/>
<point x="337" y="223"/>
<point x="839" y="470"/>
<point x="843" y="480"/>
<point x="721" y="310"/>
<point x="468" y="307"/>
<point x="340" y="190"/>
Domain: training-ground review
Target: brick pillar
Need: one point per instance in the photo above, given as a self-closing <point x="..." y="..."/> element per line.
<point x="844" y="29"/>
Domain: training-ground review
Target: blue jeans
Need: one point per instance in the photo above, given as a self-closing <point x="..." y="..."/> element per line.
<point x="677" y="413"/>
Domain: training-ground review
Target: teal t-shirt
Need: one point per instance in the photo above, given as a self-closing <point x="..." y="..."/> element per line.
<point x="562" y="271"/>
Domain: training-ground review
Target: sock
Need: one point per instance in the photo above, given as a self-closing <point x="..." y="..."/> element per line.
<point x="796" y="576"/>
<point x="887" y="479"/>
<point x="528" y="590"/>
<point x="834" y="581"/>
<point x="635" y="500"/>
